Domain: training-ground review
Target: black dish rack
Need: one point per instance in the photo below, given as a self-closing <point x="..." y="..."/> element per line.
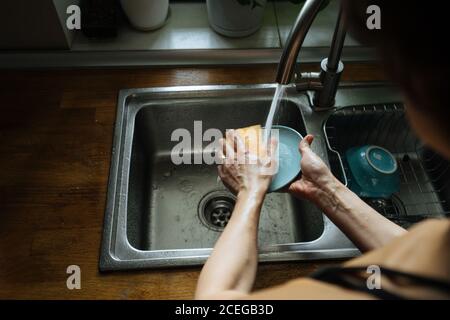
<point x="424" y="175"/>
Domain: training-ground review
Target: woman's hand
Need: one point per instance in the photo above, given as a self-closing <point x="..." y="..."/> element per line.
<point x="241" y="171"/>
<point x="231" y="269"/>
<point x="316" y="176"/>
<point x="364" y="226"/>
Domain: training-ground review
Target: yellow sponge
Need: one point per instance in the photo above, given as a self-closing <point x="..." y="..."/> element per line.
<point x="252" y="138"/>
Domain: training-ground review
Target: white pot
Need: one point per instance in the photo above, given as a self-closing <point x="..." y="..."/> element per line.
<point x="233" y="18"/>
<point x="146" y="14"/>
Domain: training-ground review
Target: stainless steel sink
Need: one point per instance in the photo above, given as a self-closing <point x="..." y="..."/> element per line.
<point x="173" y="206"/>
<point x="161" y="215"/>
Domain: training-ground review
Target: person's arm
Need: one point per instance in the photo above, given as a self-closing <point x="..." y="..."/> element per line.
<point x="364" y="226"/>
<point x="231" y="269"/>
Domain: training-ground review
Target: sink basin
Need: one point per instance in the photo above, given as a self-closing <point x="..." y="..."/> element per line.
<point x="159" y="214"/>
<point x="167" y="206"/>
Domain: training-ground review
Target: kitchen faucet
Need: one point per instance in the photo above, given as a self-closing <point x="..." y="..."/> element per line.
<point x="323" y="83"/>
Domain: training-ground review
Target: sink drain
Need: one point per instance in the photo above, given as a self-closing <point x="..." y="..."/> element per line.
<point x="215" y="209"/>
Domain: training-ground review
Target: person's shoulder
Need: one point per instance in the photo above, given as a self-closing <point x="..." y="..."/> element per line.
<point x="432" y="225"/>
<point x="308" y="289"/>
<point x="225" y="295"/>
<point x="440" y="222"/>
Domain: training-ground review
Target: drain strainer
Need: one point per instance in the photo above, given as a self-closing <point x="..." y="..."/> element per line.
<point x="215" y="209"/>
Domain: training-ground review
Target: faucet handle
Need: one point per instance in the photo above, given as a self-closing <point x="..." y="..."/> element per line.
<point x="306" y="81"/>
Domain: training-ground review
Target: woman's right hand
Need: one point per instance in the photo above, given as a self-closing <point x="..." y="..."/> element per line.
<point x="238" y="172"/>
<point x="316" y="178"/>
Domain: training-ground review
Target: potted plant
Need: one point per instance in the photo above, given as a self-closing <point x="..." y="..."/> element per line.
<point x="235" y="18"/>
<point x="146" y="15"/>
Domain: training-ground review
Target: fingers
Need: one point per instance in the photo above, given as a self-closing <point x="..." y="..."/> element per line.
<point x="272" y="152"/>
<point x="292" y="187"/>
<point x="305" y="144"/>
<point x="240" y="148"/>
<point x="223" y="176"/>
<point x="225" y="153"/>
<point x="220" y="171"/>
<point x="220" y="155"/>
<point x="228" y="179"/>
<point x="232" y="150"/>
<point x="238" y="142"/>
<point x="273" y="147"/>
<point x="296" y="189"/>
<point x="228" y="149"/>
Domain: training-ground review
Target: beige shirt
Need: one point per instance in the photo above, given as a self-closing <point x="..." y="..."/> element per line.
<point x="423" y="251"/>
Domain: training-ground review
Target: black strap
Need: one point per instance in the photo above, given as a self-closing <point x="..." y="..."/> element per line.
<point x="350" y="278"/>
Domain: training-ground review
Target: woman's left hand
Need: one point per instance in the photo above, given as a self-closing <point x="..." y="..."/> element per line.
<point x="230" y="271"/>
<point x="242" y="171"/>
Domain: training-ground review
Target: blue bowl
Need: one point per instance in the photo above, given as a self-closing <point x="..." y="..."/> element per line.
<point x="289" y="157"/>
<point x="373" y="172"/>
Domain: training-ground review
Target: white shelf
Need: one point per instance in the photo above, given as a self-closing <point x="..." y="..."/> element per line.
<point x="187" y="39"/>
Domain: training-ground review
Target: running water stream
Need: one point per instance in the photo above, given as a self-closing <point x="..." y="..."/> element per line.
<point x="273" y="109"/>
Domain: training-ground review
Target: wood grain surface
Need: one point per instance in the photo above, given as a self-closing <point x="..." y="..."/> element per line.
<point x="55" y="145"/>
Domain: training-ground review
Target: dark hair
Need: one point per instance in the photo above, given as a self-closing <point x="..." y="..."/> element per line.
<point x="413" y="45"/>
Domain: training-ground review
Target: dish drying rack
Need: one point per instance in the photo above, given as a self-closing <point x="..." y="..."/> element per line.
<point x="424" y="175"/>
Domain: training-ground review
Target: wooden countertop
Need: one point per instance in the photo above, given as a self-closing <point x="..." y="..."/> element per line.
<point x="55" y="145"/>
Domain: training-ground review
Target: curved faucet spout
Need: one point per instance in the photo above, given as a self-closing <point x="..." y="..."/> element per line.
<point x="295" y="40"/>
<point x="324" y="83"/>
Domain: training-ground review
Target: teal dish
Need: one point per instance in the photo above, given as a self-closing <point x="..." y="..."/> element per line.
<point x="373" y="172"/>
<point x="289" y="157"/>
